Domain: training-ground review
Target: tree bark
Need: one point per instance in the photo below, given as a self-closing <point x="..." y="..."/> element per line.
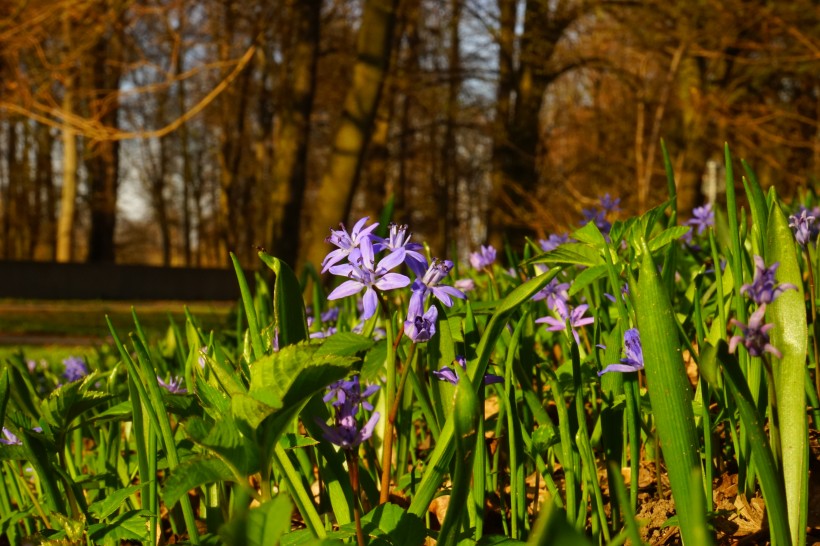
<point x="336" y="189"/>
<point x="292" y="130"/>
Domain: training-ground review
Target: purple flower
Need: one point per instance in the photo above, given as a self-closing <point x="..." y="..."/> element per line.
<point x="451" y="375"/>
<point x="399" y="241"/>
<point x="575" y="316"/>
<point x="484" y="258"/>
<point x="348" y="398"/>
<point x="465" y="285"/>
<point x="633" y="361"/>
<point x="610" y="205"/>
<point x="323" y="333"/>
<point x="350" y="389"/>
<point x="598" y="217"/>
<point x="553" y="241"/>
<point x="173" y="386"/>
<point x="347" y="242"/>
<point x="366" y="274"/>
<point x="75" y="368"/>
<point x="553" y="292"/>
<point x="8" y="438"/>
<point x="429" y="284"/>
<point x="755" y="335"/>
<point x="346" y="432"/>
<point x="802" y="226"/>
<point x="331" y="315"/>
<point x="702" y="218"/>
<point x="421" y="328"/>
<point x="763" y="289"/>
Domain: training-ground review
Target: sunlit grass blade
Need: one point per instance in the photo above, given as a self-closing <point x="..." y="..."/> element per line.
<point x="250" y="310"/>
<point x="790" y="335"/>
<point x="669" y="392"/>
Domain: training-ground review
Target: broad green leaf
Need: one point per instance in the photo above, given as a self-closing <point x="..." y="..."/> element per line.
<point x="373" y="367"/>
<point x="297" y="371"/>
<point x="250" y="411"/>
<point x="132" y="525"/>
<point x="224" y="439"/>
<point x="293" y="441"/>
<point x="569" y="253"/>
<point x="70" y="401"/>
<point x="669" y="390"/>
<point x="587" y="277"/>
<point x="194" y="473"/>
<point x="667" y="236"/>
<point x="392" y="524"/>
<point x="111" y="503"/>
<point x="261" y="526"/>
<point x="288" y="305"/>
<point x="790" y="335"/>
<point x="344" y="344"/>
<point x="590" y="234"/>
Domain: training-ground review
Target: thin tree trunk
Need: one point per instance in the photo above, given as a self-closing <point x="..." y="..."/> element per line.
<point x="68" y="194"/>
<point x="337" y="186"/>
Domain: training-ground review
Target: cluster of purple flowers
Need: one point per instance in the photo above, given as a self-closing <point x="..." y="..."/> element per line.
<point x="174" y="385"/>
<point x="598" y="216"/>
<point x="75" y="368"/>
<point x="347" y="397"/>
<point x="762" y="290"/>
<point x="804" y="226"/>
<point x="360" y="246"/>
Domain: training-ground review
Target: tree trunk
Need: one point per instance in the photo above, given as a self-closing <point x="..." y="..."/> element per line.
<point x="335" y="191"/>
<point x="292" y="131"/>
<point x="103" y="164"/>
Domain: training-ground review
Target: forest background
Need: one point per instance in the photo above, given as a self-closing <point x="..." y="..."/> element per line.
<point x="169" y="132"/>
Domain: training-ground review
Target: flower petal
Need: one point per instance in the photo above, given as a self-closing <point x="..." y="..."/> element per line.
<point x="347" y="288"/>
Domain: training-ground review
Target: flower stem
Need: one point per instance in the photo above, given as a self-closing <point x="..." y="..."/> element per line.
<point x="353" y="467"/>
<point x="393" y="403"/>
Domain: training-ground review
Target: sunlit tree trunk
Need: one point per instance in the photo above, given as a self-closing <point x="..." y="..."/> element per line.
<point x="335" y="191"/>
<point x="68" y="193"/>
<point x="450" y="157"/>
<point x="292" y="129"/>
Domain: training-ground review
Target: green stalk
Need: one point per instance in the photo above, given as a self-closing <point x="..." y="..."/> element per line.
<point x="394" y="404"/>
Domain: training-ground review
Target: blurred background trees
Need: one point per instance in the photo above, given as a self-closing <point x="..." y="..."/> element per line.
<point x="172" y="131"/>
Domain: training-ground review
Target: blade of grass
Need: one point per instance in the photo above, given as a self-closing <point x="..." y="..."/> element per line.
<point x="250" y="310"/>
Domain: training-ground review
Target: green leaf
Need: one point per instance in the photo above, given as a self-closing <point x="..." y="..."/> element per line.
<point x="288" y="304"/>
<point x="768" y="473"/>
<point x="224" y="439"/>
<point x="296" y="372"/>
<point x="70" y="401"/>
<point x="111" y="503"/>
<point x="790" y="335"/>
<point x="587" y="277"/>
<point x="261" y="526"/>
<point x="4" y="395"/>
<point x="250" y="310"/>
<point x="293" y="441"/>
<point x="667" y="236"/>
<point x="569" y="253"/>
<point x="591" y="235"/>
<point x="132" y="525"/>
<point x="669" y="390"/>
<point x="344" y="344"/>
<point x="374" y="360"/>
<point x="250" y="411"/>
<point x="393" y="524"/>
<point x="194" y="473"/>
<point x="552" y="528"/>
